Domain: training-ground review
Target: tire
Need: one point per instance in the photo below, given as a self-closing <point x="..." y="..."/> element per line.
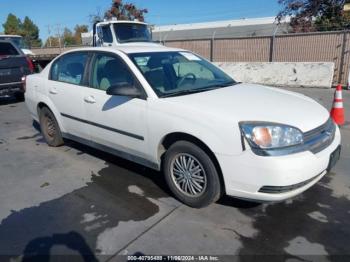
<point x="49" y="128"/>
<point x="182" y="164"/>
<point x="19" y="96"/>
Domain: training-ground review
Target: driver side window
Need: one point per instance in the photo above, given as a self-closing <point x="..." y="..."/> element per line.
<point x="109" y="70"/>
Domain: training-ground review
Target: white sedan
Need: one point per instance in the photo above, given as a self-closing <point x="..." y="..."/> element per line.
<point x="171" y="110"/>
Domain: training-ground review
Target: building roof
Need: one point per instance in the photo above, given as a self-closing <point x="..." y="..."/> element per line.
<point x="221" y="29"/>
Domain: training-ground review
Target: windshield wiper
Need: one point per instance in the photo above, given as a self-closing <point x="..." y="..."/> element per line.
<point x="199" y="90"/>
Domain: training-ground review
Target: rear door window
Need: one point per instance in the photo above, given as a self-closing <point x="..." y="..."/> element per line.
<point x="70" y="68"/>
<point x="7" y="49"/>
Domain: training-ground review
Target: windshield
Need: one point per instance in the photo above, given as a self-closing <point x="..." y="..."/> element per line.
<point x="179" y="73"/>
<point x="18" y="41"/>
<point x="131" y="32"/>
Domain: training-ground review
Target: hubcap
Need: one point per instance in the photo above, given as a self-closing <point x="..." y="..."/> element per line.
<point x="188" y="175"/>
<point x="50" y="125"/>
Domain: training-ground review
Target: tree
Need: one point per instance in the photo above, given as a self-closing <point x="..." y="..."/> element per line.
<point x="28" y="30"/>
<point x="125" y="11"/>
<point x="68" y="37"/>
<point x="78" y="30"/>
<point x="30" y="33"/>
<point x="315" y="15"/>
<point x="52" y="42"/>
<point x="12" y="26"/>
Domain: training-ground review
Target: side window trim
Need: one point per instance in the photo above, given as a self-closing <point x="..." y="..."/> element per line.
<point x="84" y="83"/>
<point x="92" y="64"/>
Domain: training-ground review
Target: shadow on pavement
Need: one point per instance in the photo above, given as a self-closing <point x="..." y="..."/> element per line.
<point x="8" y="100"/>
<point x="119" y="192"/>
<point x="315" y="223"/>
<point x="39" y="249"/>
<point x="156" y="177"/>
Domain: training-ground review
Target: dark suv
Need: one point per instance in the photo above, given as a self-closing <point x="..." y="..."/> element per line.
<point x="14" y="66"/>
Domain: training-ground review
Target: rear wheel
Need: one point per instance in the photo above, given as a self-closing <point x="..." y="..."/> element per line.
<point x="49" y="128"/>
<point x="191" y="175"/>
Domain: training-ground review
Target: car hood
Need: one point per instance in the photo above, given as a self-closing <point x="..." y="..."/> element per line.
<point x="250" y="102"/>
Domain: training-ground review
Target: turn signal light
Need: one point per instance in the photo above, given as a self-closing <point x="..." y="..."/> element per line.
<point x="262" y="136"/>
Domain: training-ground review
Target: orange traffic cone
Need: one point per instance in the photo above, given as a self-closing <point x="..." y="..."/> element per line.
<point x="337" y="112"/>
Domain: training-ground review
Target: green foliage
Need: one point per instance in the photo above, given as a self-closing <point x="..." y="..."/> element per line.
<point x="30" y="33"/>
<point x="315" y="15"/>
<point x="13" y="25"/>
<point x="78" y="30"/>
<point x="28" y="30"/>
<point x="68" y="38"/>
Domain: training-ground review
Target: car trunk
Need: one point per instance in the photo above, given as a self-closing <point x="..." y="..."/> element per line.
<point x="13" y="64"/>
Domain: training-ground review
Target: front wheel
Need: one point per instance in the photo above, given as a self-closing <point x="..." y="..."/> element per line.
<point x="191" y="175"/>
<point x="49" y="128"/>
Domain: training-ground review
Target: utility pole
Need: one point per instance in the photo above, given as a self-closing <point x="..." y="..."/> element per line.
<point x="58" y="30"/>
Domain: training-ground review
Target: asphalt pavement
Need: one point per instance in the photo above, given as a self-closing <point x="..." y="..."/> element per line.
<point x="75" y="200"/>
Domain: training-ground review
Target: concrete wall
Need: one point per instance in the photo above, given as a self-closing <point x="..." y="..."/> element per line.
<point x="282" y="74"/>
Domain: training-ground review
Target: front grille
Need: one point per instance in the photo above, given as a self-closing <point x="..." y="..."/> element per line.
<point x="285" y="189"/>
<point x="321" y="137"/>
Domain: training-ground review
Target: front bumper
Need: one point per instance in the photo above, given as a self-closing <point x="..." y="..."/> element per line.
<point x="11" y="88"/>
<point x="246" y="174"/>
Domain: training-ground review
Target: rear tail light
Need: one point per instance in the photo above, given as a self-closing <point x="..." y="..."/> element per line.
<point x="30" y="65"/>
<point x="24" y="82"/>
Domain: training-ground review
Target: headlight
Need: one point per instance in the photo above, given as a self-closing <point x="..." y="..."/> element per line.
<point x="271" y="136"/>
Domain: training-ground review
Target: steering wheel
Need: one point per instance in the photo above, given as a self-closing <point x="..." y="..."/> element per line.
<point x="186" y="77"/>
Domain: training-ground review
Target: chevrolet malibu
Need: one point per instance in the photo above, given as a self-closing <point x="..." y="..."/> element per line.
<point x="171" y="110"/>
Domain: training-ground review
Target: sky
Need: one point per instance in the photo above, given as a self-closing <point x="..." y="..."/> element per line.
<point x="50" y="15"/>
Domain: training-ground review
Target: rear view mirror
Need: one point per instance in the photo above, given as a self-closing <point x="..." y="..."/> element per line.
<point x="124" y="89"/>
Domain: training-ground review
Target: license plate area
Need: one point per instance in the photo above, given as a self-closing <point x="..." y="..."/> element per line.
<point x="5" y="72"/>
<point x="333" y="159"/>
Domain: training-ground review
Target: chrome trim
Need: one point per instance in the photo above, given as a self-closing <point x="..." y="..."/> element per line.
<point x="11" y="84"/>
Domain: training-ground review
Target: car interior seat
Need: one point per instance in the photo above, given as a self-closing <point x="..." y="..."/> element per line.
<point x="114" y="72"/>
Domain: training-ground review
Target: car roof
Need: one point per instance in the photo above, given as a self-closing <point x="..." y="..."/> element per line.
<point x="131" y="49"/>
<point x="121" y="22"/>
<point x="7" y="41"/>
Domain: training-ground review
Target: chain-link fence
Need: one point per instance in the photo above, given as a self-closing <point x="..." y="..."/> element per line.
<point x="306" y="47"/>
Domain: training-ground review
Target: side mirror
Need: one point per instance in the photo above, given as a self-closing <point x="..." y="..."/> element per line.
<point x="124" y="89"/>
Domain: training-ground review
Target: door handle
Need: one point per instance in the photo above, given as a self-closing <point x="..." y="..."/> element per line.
<point x="90" y="99"/>
<point x="53" y="91"/>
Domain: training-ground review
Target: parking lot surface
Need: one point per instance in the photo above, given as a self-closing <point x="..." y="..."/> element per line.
<point x="75" y="200"/>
